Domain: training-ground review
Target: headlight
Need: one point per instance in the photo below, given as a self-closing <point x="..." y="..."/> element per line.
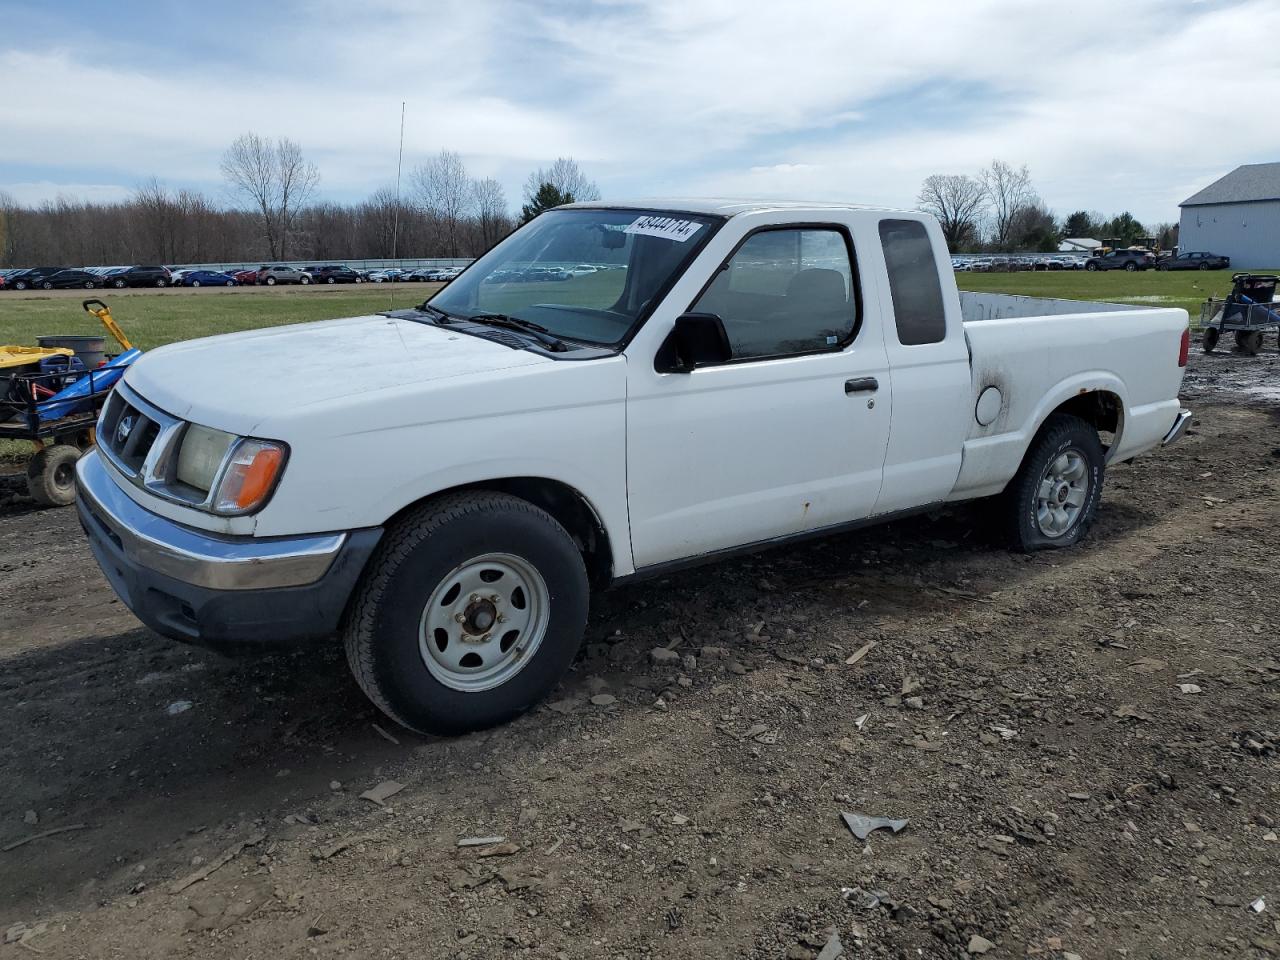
<point x="250" y="476"/>
<point x="202" y="453"/>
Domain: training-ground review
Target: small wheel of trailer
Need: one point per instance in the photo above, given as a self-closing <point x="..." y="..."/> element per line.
<point x="1210" y="339"/>
<point x="1249" y="341"/>
<point x="51" y="475"/>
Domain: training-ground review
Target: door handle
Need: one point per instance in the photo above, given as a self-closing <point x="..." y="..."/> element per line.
<point x="862" y="385"/>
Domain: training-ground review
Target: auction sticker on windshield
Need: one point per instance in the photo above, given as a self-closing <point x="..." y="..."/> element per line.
<point x="668" y="228"/>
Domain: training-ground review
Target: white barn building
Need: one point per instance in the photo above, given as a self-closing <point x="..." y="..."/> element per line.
<point x="1237" y="216"/>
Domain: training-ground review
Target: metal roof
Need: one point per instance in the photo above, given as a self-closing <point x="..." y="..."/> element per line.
<point x="1247" y="184"/>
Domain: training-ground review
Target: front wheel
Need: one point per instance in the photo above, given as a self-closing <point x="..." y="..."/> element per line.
<point x="1091" y="266"/>
<point x="305" y="281"/>
<point x="118" y="284"/>
<point x="195" y="283"/>
<point x="1203" y="266"/>
<point x="469" y="613"/>
<point x="1131" y="267"/>
<point x="1053" y="498"/>
<point x="271" y="281"/>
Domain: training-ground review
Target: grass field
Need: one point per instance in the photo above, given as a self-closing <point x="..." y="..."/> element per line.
<point x="1187" y="289"/>
<point x="151" y="319"/>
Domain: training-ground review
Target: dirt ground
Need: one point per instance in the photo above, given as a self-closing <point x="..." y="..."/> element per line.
<point x="1083" y="744"/>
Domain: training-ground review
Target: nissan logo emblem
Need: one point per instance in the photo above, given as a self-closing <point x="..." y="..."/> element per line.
<point x="123" y="429"/>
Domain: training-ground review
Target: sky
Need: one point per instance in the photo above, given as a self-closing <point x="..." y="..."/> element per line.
<point x="1122" y="105"/>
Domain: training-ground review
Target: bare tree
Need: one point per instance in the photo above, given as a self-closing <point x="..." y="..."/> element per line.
<point x="445" y="192"/>
<point x="958" y="201"/>
<point x="491" y="210"/>
<point x="277" y="180"/>
<point x="567" y="177"/>
<point x="8" y="233"/>
<point x="1008" y="191"/>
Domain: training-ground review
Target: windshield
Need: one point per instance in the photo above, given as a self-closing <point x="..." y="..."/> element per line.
<point x="586" y="274"/>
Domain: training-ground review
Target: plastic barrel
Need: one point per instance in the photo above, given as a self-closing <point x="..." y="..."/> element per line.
<point x="92" y="351"/>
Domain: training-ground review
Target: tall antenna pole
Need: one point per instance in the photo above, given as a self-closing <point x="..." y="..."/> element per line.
<point x="395" y="224"/>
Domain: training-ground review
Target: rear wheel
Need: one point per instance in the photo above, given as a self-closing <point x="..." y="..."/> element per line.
<point x="1210" y="341"/>
<point x="195" y="283"/>
<point x="469" y="613"/>
<point x="1249" y="341"/>
<point x="118" y="284"/>
<point x="1052" y="500"/>
<point x="161" y="283"/>
<point x="1203" y="266"/>
<point x="1131" y="266"/>
<point x="47" y="285"/>
<point x="271" y="281"/>
<point x="51" y="475"/>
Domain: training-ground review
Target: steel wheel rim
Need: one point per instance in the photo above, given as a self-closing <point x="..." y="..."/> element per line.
<point x="1062" y="494"/>
<point x="483" y="622"/>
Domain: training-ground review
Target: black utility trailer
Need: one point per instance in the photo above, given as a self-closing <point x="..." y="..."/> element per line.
<point x="1247" y="311"/>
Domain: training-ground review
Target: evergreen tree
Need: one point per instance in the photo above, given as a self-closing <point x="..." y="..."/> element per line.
<point x="546" y="198"/>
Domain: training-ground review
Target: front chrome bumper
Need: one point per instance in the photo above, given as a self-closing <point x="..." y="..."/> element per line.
<point x="1178" y="429"/>
<point x="193" y="556"/>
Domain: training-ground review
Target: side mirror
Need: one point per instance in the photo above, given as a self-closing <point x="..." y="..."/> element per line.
<point x="697" y="339"/>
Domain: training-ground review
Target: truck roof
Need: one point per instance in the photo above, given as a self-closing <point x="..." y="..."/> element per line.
<point x="720" y="207"/>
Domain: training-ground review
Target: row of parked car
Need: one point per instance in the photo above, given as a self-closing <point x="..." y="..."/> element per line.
<point x="93" y="278"/>
<point x="1131" y="260"/>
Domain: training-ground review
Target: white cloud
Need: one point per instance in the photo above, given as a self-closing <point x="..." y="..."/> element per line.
<point x="32" y="193"/>
<point x="1113" y="106"/>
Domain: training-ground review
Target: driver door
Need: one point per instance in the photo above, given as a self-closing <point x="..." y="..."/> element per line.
<point x="787" y="436"/>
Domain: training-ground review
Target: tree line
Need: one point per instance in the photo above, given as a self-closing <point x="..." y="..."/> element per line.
<point x="273" y="213"/>
<point x="998" y="210"/>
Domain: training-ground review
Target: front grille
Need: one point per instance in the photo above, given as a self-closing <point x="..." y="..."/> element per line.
<point x="127" y="433"/>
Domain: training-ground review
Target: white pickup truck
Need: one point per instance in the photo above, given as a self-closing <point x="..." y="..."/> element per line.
<point x="442" y="486"/>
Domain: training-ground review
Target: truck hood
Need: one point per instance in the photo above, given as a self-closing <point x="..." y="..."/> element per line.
<point x="235" y="381"/>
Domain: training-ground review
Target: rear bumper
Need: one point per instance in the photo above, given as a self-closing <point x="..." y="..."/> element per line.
<point x="193" y="586"/>
<point x="1179" y="428"/>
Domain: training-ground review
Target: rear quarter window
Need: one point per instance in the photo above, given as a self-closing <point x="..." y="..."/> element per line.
<point x="914" y="286"/>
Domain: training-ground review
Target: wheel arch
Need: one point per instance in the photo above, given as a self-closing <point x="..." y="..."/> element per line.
<point x="567" y="505"/>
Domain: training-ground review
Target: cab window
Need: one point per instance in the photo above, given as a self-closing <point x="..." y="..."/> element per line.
<point x="913" y="282"/>
<point x="785" y="292"/>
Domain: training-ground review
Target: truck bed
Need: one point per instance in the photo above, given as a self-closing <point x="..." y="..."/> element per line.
<point x="1041" y="353"/>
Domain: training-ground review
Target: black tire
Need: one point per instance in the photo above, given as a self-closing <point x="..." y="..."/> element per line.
<point x="305" y="281"/>
<point x="47" y="285"/>
<point x="118" y="284"/>
<point x="1061" y="434"/>
<point x="330" y="280"/>
<point x="1091" y="266"/>
<point x="20" y="285"/>
<point x="51" y="475"/>
<point x="271" y="281"/>
<point x="161" y="283"/>
<point x="1210" y="340"/>
<point x="1131" y="266"/>
<point x="382" y="625"/>
<point x="1249" y="341"/>
<point x="1162" y="267"/>
<point x="1203" y="266"/>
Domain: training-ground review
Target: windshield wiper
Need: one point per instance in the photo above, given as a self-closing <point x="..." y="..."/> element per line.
<point x="535" y="330"/>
